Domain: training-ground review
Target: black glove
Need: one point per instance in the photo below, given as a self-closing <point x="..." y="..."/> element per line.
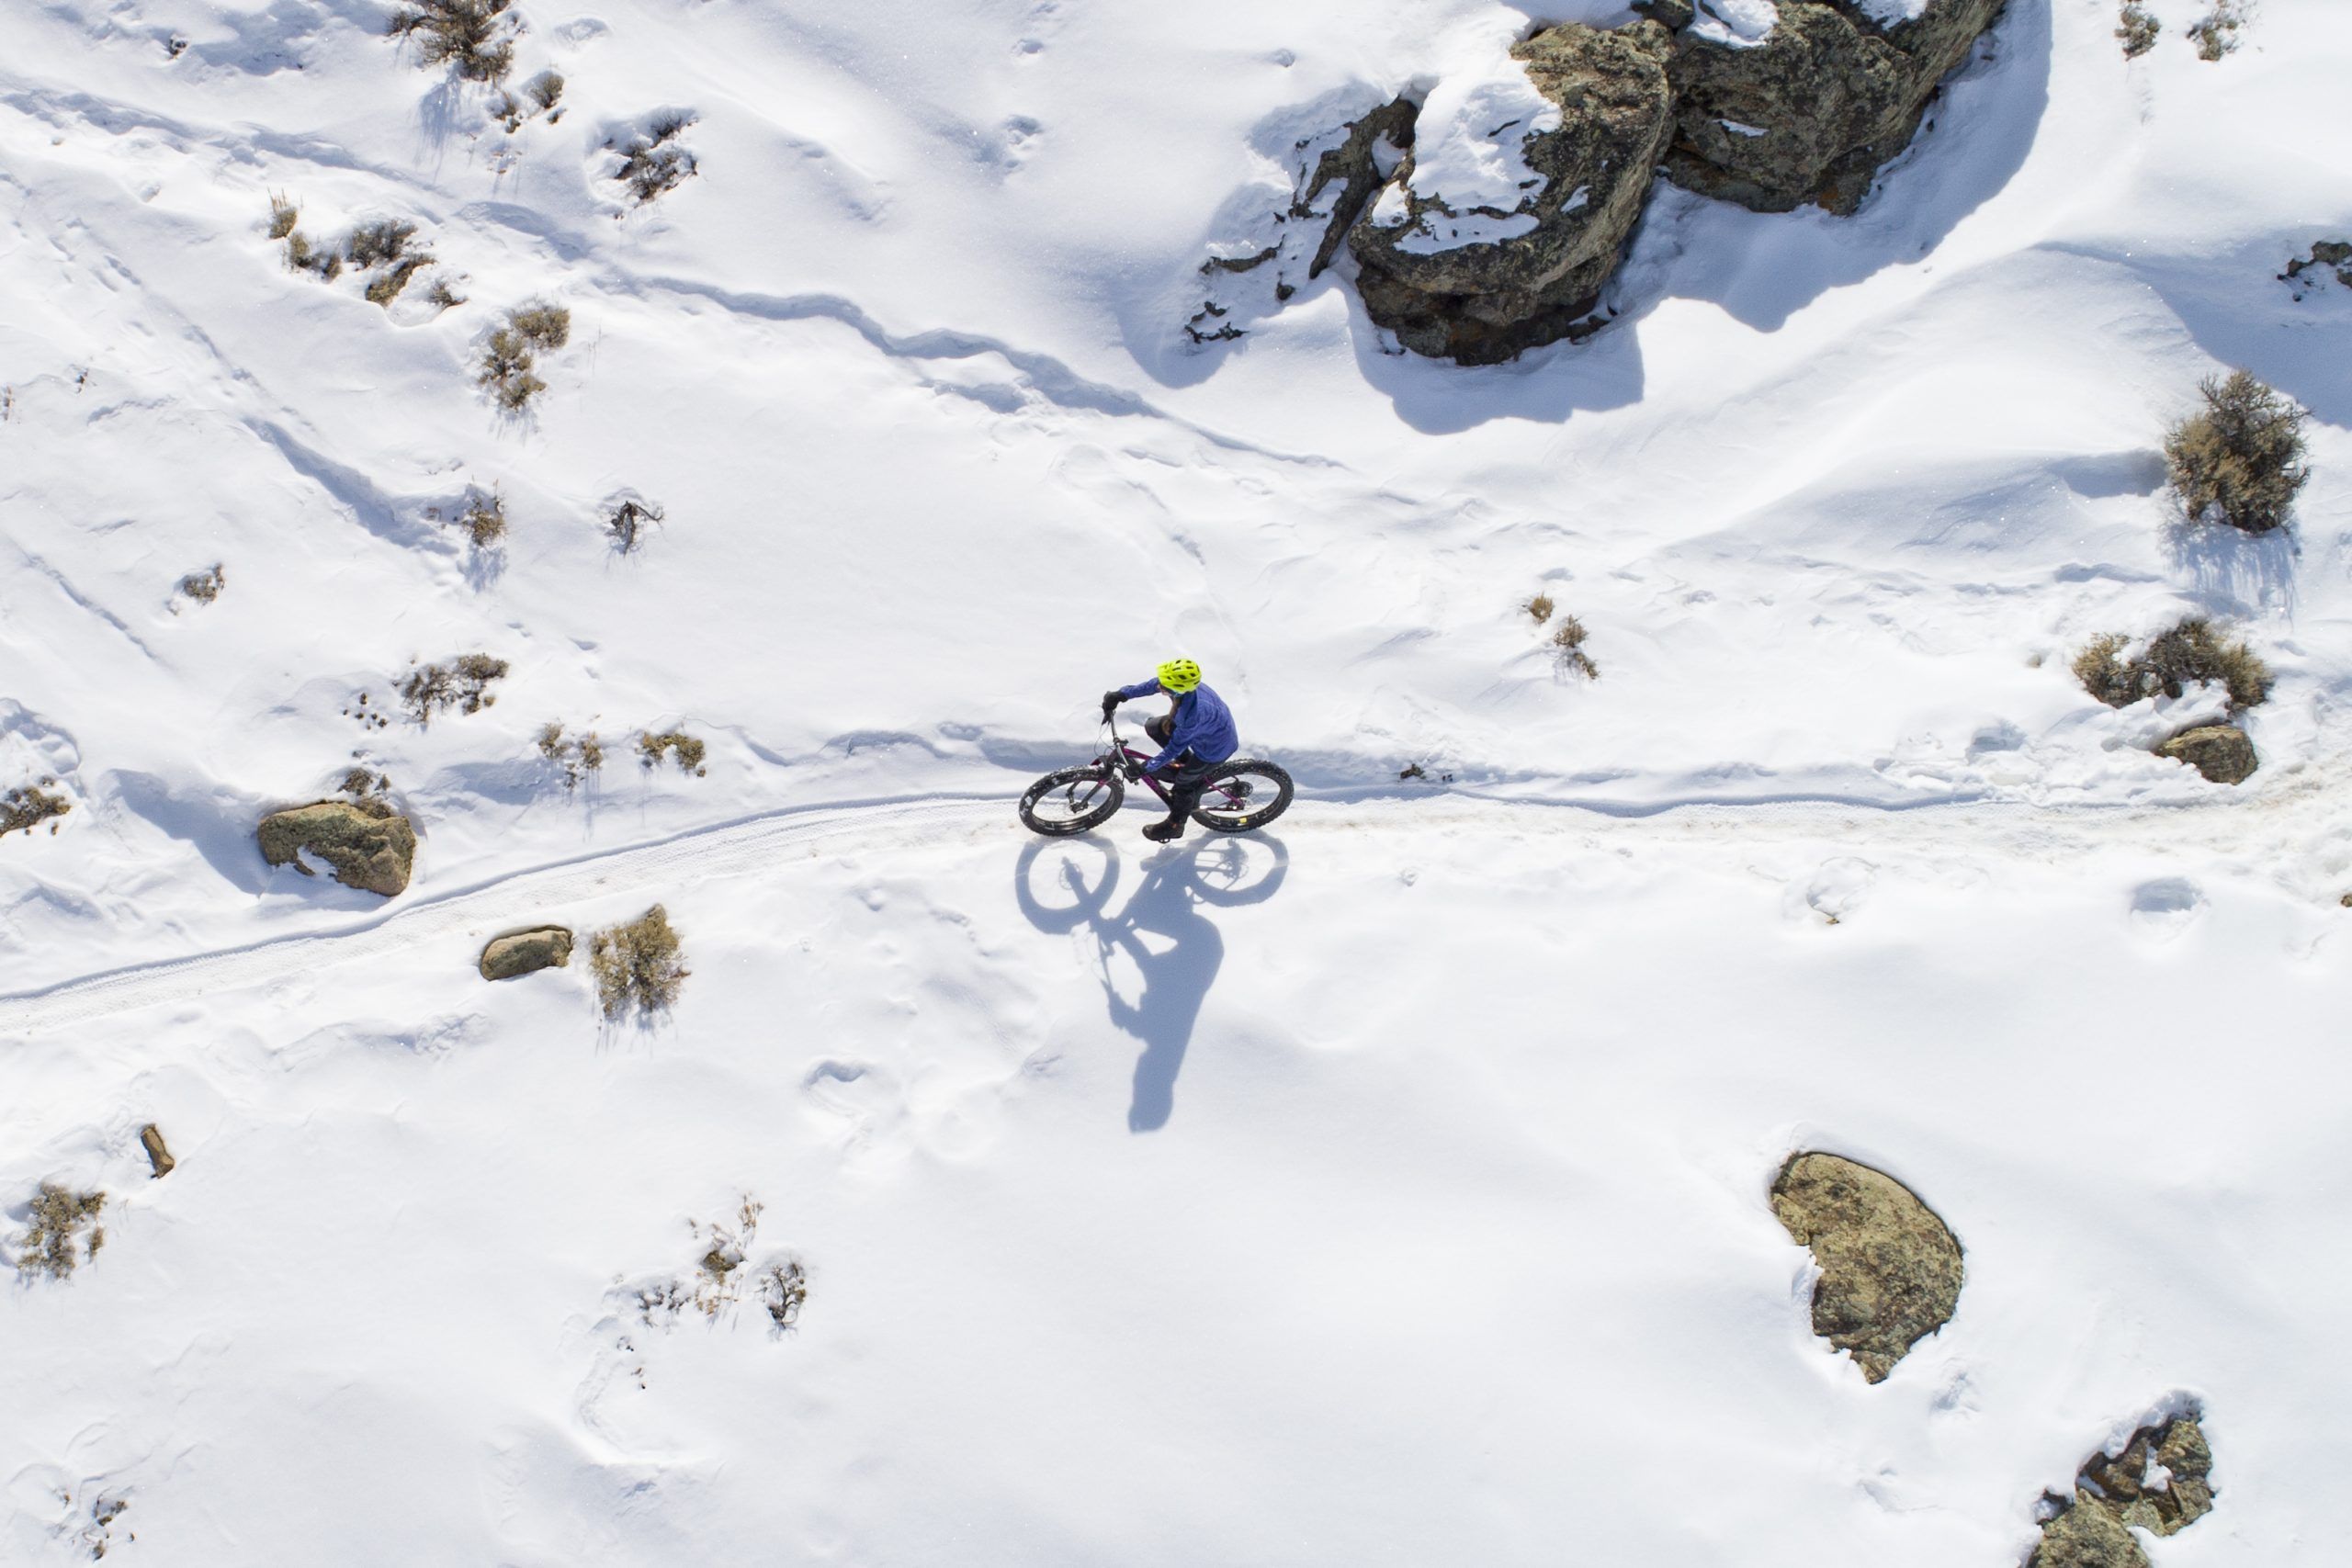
<point x="1111" y="701"/>
<point x="1135" y="772"/>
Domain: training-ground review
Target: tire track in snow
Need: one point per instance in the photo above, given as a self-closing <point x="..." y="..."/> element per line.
<point x="2299" y="827"/>
<point x="514" y="898"/>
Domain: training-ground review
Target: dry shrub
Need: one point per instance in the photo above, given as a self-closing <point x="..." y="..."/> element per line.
<point x="2137" y="29"/>
<point x="204" y="586"/>
<point x="2217" y="35"/>
<point x="379" y="243"/>
<point x="576" y="758"/>
<point x="283" y="215"/>
<point x="364" y="784"/>
<point x="483" y="518"/>
<point x="689" y="750"/>
<point x="637" y="967"/>
<point x="545" y="90"/>
<point x="27" y="805"/>
<point x="2241" y="457"/>
<point x="1567" y="646"/>
<point x="386" y="286"/>
<point x="463" y="684"/>
<point x="2189" y="654"/>
<point x="543" y="325"/>
<point x="1539" y="609"/>
<point x="474" y="36"/>
<point x="782" y="1288"/>
<point x="509" y="359"/>
<point x="653" y="163"/>
<point x="441" y="297"/>
<point x="324" y="260"/>
<point x="58" y="1218"/>
<point x="626" y="517"/>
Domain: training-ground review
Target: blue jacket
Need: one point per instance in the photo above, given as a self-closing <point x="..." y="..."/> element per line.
<point x="1202" y="725"/>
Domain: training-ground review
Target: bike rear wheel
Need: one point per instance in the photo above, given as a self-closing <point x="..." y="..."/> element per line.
<point x="1240" y="794"/>
<point x="1072" y="800"/>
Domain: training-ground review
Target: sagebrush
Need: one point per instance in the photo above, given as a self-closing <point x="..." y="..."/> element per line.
<point x="577" y="756"/>
<point x="26" y="806"/>
<point x="462" y="683"/>
<point x="2217" y="35"/>
<point x="1567" y="648"/>
<point x="2239" y="459"/>
<point x="204" y="586"/>
<point x="482" y="518"/>
<point x="639" y="966"/>
<point x="653" y="161"/>
<point x="2137" y="29"/>
<point x="476" y="36"/>
<point x="686" y="747"/>
<point x="59" y="1217"/>
<point x="510" y="357"/>
<point x="2191" y="653"/>
<point x="626" y="518"/>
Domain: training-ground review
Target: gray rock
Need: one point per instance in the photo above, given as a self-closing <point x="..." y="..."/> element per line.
<point x="2221" y="751"/>
<point x="2086" y="1536"/>
<point x="527" y="951"/>
<point x="1890" y="1269"/>
<point x="1485" y="303"/>
<point x="159" y="1159"/>
<point x="2161" y="1483"/>
<point x="1827" y="98"/>
<point x="366" y="843"/>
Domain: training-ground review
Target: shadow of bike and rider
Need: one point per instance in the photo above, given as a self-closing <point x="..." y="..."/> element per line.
<point x="1174" y="948"/>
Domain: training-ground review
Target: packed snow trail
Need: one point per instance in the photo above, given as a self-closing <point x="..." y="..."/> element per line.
<point x="2295" y="828"/>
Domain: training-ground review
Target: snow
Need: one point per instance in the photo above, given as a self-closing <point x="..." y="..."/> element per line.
<point x="1388" y="1186"/>
<point x="1740" y="24"/>
<point x="1469" y="142"/>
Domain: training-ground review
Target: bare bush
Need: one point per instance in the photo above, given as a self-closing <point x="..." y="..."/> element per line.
<point x="688" y="751"/>
<point x="442" y="296"/>
<point x="204" y="586"/>
<point x="782" y="1287"/>
<point x="577" y="758"/>
<point x="463" y="684"/>
<point x="545" y="90"/>
<point x="482" y="519"/>
<point x="2240" y="458"/>
<point x="652" y="161"/>
<point x="59" y="1217"/>
<point x="322" y="261"/>
<point x="283" y="216"/>
<point x="1567" y="648"/>
<point x="2217" y="35"/>
<point x="2137" y="29"/>
<point x="510" y="359"/>
<point x="386" y="286"/>
<point x="2191" y="653"/>
<point x="27" y="805"/>
<point x="638" y="966"/>
<point x="378" y="244"/>
<point x="626" y="517"/>
<point x="1539" y="609"/>
<point x="476" y="36"/>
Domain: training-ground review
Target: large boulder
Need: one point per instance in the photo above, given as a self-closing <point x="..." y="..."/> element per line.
<point x="2221" y="751"/>
<point x="1480" y="276"/>
<point x="526" y="953"/>
<point x="364" y="842"/>
<point x="1809" y="110"/>
<point x="1889" y="1269"/>
<point x="2086" y="1536"/>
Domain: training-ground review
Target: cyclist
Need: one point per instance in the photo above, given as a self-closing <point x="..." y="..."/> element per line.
<point x="1195" y="734"/>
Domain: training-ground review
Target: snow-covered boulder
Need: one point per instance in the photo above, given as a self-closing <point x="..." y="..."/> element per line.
<point x="1498" y="229"/>
<point x="526" y="953"/>
<point x="1889" y="1269"/>
<point x="2221" y="751"/>
<point x="365" y="843"/>
<point x="1783" y="102"/>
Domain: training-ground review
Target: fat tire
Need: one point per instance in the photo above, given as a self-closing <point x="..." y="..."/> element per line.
<point x="1115" y="793"/>
<point x="1250" y="767"/>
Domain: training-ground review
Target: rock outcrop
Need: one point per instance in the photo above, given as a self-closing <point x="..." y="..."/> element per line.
<point x="2221" y="751"/>
<point x="2161" y="1483"/>
<point x="1807" y="109"/>
<point x="1889" y="1269"/>
<point x="1481" y="302"/>
<point x="159" y="1159"/>
<point x="526" y="953"/>
<point x="365" y="843"/>
<point x="1809" y="112"/>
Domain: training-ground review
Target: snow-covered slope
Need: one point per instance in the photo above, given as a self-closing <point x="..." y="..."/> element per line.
<point x="1432" y="1221"/>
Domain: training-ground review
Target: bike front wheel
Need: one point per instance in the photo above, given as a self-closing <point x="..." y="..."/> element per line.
<point x="1072" y="800"/>
<point x="1243" y="793"/>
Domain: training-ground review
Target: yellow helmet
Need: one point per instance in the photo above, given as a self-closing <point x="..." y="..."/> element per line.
<point x="1180" y="675"/>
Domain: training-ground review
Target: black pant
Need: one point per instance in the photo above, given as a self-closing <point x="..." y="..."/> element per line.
<point x="1184" y="774"/>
